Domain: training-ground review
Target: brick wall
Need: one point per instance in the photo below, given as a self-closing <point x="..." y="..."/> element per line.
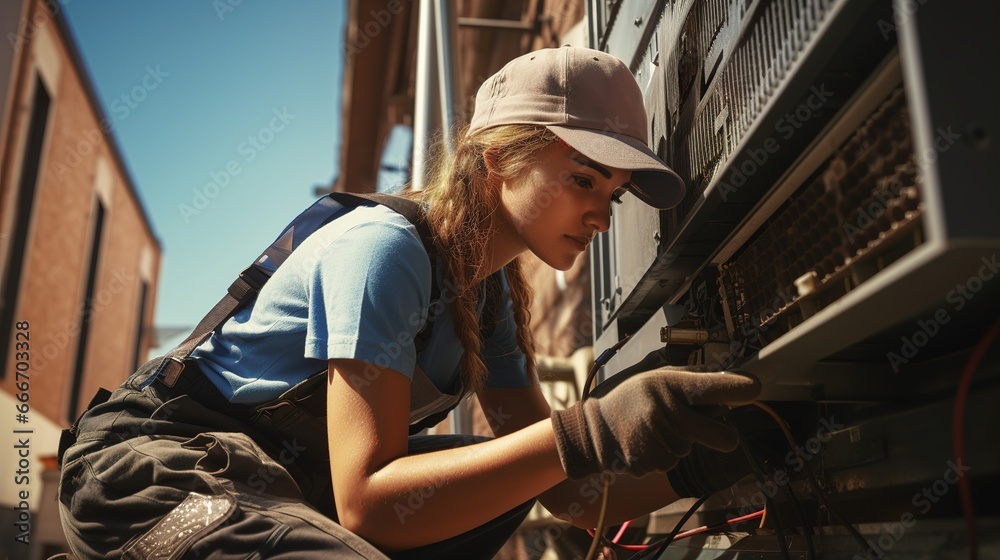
<point x="79" y="166"/>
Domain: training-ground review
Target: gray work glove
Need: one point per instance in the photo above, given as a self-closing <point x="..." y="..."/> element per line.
<point x="647" y="421"/>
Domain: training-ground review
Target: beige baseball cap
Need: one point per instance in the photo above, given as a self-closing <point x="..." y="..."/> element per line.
<point x="591" y="101"/>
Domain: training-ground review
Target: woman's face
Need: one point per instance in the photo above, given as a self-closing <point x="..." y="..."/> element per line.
<point x="557" y="205"/>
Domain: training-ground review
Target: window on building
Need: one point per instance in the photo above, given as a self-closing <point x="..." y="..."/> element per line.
<point x="87" y="310"/>
<point x="140" y="327"/>
<point x="23" y="211"/>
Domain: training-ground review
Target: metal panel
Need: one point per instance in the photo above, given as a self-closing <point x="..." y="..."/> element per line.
<point x="637" y="239"/>
<point x="716" y="142"/>
<point x="791" y="121"/>
<point x="627" y="35"/>
<point x="953" y="111"/>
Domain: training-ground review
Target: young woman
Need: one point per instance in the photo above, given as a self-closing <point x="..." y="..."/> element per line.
<point x="208" y="464"/>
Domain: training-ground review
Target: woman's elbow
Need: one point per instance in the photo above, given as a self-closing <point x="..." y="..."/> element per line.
<point x="365" y="525"/>
<point x="371" y="525"/>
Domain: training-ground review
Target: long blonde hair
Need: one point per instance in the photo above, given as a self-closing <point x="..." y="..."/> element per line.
<point x="462" y="196"/>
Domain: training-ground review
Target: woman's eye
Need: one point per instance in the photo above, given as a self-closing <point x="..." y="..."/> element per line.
<point x="584" y="182"/>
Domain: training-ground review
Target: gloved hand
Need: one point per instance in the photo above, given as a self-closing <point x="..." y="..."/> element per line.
<point x="706" y="471"/>
<point x="647" y="421"/>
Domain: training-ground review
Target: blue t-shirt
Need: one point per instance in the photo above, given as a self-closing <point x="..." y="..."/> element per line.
<point x="358" y="288"/>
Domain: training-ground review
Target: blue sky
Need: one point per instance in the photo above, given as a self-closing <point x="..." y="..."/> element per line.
<point x="227" y="119"/>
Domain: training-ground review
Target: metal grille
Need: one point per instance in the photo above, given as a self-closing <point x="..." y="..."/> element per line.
<point x="756" y="68"/>
<point x="858" y="213"/>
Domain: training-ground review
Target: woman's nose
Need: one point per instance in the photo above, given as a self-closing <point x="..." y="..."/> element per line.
<point x="598" y="218"/>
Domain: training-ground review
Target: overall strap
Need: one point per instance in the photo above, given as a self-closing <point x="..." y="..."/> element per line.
<point x="248" y="284"/>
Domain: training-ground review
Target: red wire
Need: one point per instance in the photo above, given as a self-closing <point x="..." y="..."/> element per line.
<point x="621" y="531"/>
<point x="633" y="546"/>
<point x="692" y="532"/>
<point x="958" y="434"/>
<point x="705" y="528"/>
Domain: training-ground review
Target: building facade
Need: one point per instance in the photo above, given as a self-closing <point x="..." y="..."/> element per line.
<point x="79" y="261"/>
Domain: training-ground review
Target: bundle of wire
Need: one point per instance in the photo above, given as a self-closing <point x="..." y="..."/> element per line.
<point x="758" y="473"/>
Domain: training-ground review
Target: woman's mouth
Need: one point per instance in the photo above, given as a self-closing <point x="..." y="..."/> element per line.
<point x="580" y="242"/>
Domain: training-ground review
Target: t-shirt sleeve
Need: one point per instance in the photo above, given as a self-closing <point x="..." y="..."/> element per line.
<point x="367" y="297"/>
<point x="503" y="357"/>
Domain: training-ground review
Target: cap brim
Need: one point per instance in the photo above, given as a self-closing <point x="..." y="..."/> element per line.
<point x="655" y="184"/>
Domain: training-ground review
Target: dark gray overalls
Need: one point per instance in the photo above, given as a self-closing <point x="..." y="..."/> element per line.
<point x="166" y="467"/>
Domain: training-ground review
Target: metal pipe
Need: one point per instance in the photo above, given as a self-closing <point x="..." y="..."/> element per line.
<point x="447" y="60"/>
<point x="423" y="102"/>
<point x="512" y="24"/>
<point x="435" y="82"/>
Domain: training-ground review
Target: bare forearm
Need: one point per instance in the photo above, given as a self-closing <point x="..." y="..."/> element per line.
<point x="420" y="499"/>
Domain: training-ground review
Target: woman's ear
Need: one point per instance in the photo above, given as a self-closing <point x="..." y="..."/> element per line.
<point x="491" y="158"/>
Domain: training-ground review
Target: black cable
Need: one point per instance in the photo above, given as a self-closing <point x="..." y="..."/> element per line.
<point x="806" y="526"/>
<point x="820" y="493"/>
<point x="662" y="546"/>
<point x="677" y="528"/>
<point x="608" y="543"/>
<point x="836" y="513"/>
<point x="762" y="482"/>
<point x="599" y="363"/>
